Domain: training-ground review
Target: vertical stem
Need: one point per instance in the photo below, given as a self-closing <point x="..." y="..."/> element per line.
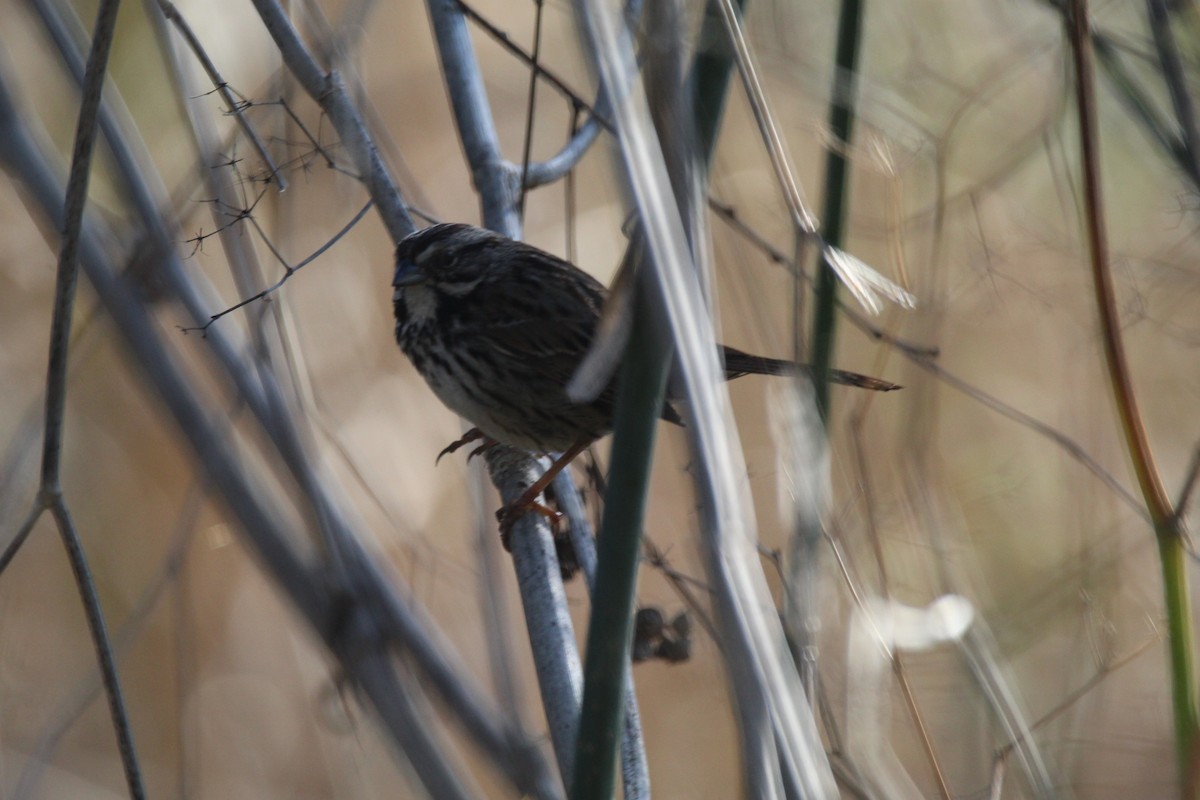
<point x="640" y="390"/>
<point x="841" y="125"/>
<point x="68" y="265"/>
<point x="531" y="104"/>
<point x="709" y="78"/>
<point x="640" y="393"/>
<point x="50" y="495"/>
<point x="1182" y="648"/>
<point x="1181" y="637"/>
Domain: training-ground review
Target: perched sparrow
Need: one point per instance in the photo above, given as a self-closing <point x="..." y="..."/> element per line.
<point x="497" y="328"/>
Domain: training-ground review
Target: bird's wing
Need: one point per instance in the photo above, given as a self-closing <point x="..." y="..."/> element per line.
<point x="547" y="317"/>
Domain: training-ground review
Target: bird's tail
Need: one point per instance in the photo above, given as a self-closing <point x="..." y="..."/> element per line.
<point x="738" y="364"/>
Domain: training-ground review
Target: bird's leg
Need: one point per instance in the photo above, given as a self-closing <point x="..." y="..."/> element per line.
<point x="528" y="500"/>
<point x="472" y="435"/>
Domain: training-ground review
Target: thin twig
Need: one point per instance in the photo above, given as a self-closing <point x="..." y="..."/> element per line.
<point x="1127" y="87"/>
<point x="1075" y="696"/>
<point x="1177" y="84"/>
<point x="312" y="138"/>
<point x="288" y="271"/>
<point x="870" y="505"/>
<point x="914" y="710"/>
<point x="730" y="216"/>
<point x="235" y="106"/>
<point x="1071" y="447"/>
<point x="14" y="546"/>
<point x="530" y="107"/>
<point x="235" y="214"/>
<point x="327" y="90"/>
<point x="540" y="173"/>
<point x="85" y="692"/>
<point x="681" y="583"/>
<point x="925" y="356"/>
<point x="50" y="496"/>
<point x="1189" y="483"/>
<point x="802" y="217"/>
<point x="526" y="58"/>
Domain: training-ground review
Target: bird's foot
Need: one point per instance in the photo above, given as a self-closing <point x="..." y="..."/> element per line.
<point x="483" y="448"/>
<point x="472" y="435"/>
<point x="509" y="514"/>
<point x="528" y="501"/>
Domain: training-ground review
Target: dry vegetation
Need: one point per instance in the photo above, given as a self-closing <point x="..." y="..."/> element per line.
<point x="990" y="476"/>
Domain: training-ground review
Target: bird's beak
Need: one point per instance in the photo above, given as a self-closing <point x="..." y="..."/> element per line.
<point x="407" y="274"/>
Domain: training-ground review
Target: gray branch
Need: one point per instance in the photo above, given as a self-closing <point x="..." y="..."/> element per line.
<point x="262" y="522"/>
<point x="265" y="524"/>
<point x="327" y="90"/>
<point x="557" y="166"/>
<point x="496" y="180"/>
<point x="50" y="494"/>
<point x="550" y="633"/>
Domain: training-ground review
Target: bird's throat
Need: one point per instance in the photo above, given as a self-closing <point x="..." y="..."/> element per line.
<point x="416" y="305"/>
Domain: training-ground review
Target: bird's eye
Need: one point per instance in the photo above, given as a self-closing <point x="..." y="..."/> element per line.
<point x="426" y="254"/>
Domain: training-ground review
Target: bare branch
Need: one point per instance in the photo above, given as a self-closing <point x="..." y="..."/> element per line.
<point x="259" y="519"/>
<point x="103" y="645"/>
<point x="50" y="495"/>
<point x="235" y="106"/>
<point x="534" y="559"/>
<point x="496" y="180"/>
<point x="329" y="93"/>
<point x="530" y="107"/>
<point x="551" y="633"/>
<point x="288" y="271"/>
<point x="541" y="173"/>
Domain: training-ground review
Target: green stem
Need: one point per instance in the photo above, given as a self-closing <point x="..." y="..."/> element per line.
<point x="1180" y="644"/>
<point x="841" y="124"/>
<point x="1167" y="525"/>
<point x="709" y="79"/>
<point x="640" y="391"/>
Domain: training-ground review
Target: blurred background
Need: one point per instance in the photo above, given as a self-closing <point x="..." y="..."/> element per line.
<point x="999" y="472"/>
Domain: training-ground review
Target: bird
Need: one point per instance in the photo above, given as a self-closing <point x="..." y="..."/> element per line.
<point x="497" y="328"/>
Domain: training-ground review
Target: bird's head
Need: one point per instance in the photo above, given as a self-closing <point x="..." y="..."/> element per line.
<point x="448" y="258"/>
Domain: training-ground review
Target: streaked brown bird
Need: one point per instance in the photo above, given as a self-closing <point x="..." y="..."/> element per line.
<point x="498" y="327"/>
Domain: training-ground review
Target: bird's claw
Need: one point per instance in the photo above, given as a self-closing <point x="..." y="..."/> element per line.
<point x="472" y="435"/>
<point x="483" y="448"/>
<point x="508" y="516"/>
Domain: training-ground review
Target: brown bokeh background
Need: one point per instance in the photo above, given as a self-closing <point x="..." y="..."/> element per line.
<point x="964" y="189"/>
